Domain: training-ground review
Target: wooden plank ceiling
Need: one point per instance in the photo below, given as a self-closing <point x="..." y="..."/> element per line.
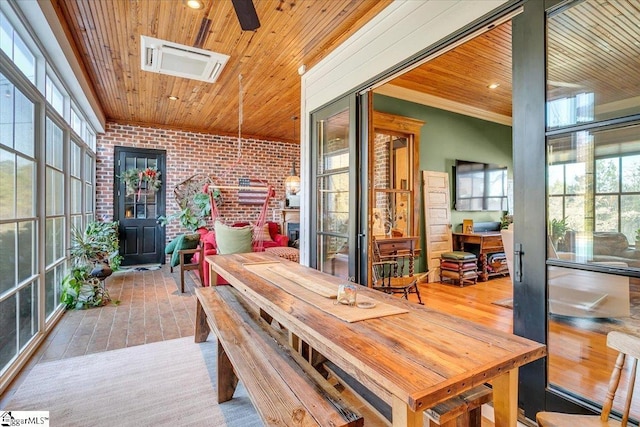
<point x="463" y="74"/>
<point x="297" y="32"/>
<point x="593" y="48"/>
<point x="107" y="34"/>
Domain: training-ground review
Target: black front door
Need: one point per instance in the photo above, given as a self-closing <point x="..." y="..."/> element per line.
<point x="138" y="202"/>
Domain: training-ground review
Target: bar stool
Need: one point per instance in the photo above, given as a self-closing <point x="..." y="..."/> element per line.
<point x="459" y="266"/>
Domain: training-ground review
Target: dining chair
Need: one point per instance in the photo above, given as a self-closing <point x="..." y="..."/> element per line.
<point x="627" y="345"/>
<point x="392" y="267"/>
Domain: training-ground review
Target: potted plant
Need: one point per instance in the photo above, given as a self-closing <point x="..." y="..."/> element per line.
<point x="81" y="290"/>
<point x="558" y="230"/>
<point x="94" y="256"/>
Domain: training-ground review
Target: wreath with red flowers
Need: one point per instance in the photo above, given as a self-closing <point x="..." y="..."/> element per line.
<point x="139" y="181"/>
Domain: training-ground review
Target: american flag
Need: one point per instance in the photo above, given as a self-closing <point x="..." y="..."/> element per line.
<point x="253" y="196"/>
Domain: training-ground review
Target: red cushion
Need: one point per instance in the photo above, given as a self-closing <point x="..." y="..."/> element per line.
<point x="209" y="240"/>
<point x="281" y="240"/>
<point x="273" y="229"/>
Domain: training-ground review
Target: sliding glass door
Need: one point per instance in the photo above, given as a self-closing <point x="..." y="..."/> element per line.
<point x="593" y="193"/>
<point x="333" y="207"/>
<point x="577" y="154"/>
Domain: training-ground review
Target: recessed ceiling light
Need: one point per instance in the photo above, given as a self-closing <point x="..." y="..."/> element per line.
<point x="173" y="98"/>
<point x="194" y="4"/>
<point x="493" y="85"/>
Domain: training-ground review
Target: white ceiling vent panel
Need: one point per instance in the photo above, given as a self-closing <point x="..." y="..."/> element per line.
<point x="173" y="59"/>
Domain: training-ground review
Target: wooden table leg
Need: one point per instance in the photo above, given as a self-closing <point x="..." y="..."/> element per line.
<point x="483" y="263"/>
<point x="213" y="276"/>
<point x="505" y="399"/>
<point x="401" y="415"/>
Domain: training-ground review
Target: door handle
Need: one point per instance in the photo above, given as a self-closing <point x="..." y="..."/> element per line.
<point x="517" y="261"/>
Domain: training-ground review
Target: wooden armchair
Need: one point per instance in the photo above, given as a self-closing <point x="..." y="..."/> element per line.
<point x="186" y="264"/>
<point x="627" y="345"/>
<point x="392" y="267"/>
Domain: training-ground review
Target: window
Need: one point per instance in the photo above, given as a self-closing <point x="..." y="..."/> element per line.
<point x="18" y="223"/>
<point x="91" y="140"/>
<point x="608" y="202"/>
<point x="54" y="95"/>
<point x="89" y="167"/>
<point x="13" y="46"/>
<point x="76" y="122"/>
<point x="30" y="124"/>
<point x="395" y="190"/>
<point x="617" y="195"/>
<point x="332" y="181"/>
<point x="75" y="172"/>
<point x="571" y="110"/>
<point x="55" y="212"/>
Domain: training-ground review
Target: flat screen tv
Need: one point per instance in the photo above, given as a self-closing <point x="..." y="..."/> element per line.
<point x="480" y="186"/>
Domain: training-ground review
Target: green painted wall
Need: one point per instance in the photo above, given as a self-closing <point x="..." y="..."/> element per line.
<point x="448" y="136"/>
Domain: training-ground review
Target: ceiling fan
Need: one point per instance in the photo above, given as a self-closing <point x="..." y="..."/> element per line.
<point x="246" y="12"/>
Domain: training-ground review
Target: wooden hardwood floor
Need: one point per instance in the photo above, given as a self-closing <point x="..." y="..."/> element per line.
<point x="473" y="302"/>
<point x="579" y="360"/>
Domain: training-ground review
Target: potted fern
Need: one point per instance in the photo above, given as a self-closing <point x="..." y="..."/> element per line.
<point x="94" y="256"/>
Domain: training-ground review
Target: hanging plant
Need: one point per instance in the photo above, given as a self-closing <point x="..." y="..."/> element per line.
<point x="138" y="181"/>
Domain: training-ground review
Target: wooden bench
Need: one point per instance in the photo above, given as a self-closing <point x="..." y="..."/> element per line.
<point x="462" y="410"/>
<point x="282" y="386"/>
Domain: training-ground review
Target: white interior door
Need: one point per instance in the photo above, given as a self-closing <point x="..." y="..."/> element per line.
<point x="437" y="219"/>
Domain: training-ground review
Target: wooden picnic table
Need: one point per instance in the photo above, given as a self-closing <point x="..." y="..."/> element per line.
<point x="410" y="356"/>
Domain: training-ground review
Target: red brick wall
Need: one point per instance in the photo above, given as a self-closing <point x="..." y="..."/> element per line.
<point x="189" y="153"/>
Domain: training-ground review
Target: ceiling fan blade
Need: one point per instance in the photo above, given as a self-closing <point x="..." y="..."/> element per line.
<point x="247" y="15"/>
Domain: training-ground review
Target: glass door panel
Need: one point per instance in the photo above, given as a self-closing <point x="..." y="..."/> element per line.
<point x="332" y="213"/>
<point x="592" y="223"/>
<point x="593" y="196"/>
<point x="392" y="185"/>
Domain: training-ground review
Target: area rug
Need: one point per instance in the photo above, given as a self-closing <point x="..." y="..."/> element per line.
<point x="166" y="383"/>
<point x="146" y="267"/>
